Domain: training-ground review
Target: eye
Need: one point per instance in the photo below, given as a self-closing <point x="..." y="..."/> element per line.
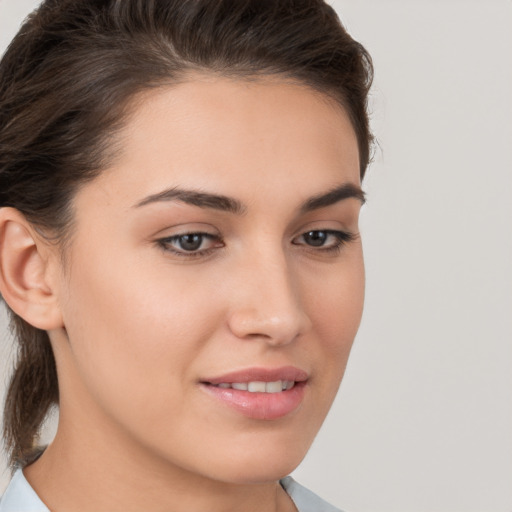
<point x="325" y="240"/>
<point x="190" y="244"/>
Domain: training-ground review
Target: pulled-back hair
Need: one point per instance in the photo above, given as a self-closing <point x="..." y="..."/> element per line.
<point x="65" y="84"/>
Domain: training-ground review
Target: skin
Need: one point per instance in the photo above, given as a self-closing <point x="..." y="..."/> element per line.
<point x="141" y="325"/>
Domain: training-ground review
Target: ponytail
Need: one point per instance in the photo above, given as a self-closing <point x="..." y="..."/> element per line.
<point x="32" y="391"/>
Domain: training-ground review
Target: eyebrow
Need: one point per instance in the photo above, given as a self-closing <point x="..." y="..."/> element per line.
<point x="231" y="205"/>
<point x="196" y="198"/>
<point x="333" y="196"/>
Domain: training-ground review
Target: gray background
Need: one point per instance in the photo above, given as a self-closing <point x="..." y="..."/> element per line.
<point x="423" y="421"/>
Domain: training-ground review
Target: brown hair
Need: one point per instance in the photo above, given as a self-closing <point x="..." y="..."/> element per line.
<point x="65" y="82"/>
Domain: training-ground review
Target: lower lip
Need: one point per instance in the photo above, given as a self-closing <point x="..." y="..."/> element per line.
<point x="260" y="406"/>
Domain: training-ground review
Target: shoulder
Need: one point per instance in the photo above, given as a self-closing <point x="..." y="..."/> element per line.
<point x="20" y="497"/>
<point x="304" y="499"/>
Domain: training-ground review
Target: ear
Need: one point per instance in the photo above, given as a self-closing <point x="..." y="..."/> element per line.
<point x="25" y="271"/>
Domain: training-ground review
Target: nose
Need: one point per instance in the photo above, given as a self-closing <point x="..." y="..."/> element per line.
<point x="267" y="304"/>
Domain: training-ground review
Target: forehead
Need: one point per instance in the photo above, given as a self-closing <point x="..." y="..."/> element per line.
<point x="217" y="132"/>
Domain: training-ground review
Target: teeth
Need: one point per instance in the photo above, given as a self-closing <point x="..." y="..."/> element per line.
<point x="256" y="387"/>
<point x="288" y="384"/>
<point x="259" y="387"/>
<point x="274" y="387"/>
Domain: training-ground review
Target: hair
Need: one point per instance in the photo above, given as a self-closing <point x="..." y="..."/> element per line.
<point x="66" y="81"/>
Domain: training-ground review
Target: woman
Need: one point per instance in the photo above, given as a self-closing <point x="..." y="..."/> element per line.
<point x="179" y="197"/>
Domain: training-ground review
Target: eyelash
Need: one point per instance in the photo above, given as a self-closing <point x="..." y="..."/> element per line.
<point x="166" y="244"/>
<point x="341" y="239"/>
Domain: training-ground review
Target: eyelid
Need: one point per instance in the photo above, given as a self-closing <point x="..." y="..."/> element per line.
<point x="184" y="228"/>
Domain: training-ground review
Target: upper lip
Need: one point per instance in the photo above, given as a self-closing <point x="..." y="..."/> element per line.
<point x="260" y="375"/>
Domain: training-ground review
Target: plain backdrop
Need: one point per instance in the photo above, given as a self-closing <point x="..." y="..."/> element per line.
<point x="423" y="421"/>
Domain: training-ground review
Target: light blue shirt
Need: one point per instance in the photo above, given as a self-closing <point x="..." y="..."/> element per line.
<point x="20" y="497"/>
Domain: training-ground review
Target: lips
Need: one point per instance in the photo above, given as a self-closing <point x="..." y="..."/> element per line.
<point x="260" y="393"/>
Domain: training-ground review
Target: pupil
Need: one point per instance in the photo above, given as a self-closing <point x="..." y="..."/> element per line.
<point x="316" y="238"/>
<point x="190" y="242"/>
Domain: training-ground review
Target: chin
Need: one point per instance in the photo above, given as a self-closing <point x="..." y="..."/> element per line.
<point x="257" y="474"/>
<point x="260" y="465"/>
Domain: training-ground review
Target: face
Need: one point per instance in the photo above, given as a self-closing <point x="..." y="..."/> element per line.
<point x="215" y="279"/>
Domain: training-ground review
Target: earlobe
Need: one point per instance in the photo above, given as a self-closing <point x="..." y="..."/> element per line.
<point x="24" y="281"/>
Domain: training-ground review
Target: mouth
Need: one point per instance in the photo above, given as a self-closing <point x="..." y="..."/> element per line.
<point x="258" y="393"/>
<point x="257" y="386"/>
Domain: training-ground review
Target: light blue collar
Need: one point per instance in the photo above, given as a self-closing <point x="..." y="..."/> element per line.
<point x="19" y="496"/>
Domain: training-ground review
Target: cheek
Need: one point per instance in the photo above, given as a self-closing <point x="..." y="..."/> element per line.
<point x="134" y="335"/>
<point x="336" y="308"/>
<point x="336" y="299"/>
